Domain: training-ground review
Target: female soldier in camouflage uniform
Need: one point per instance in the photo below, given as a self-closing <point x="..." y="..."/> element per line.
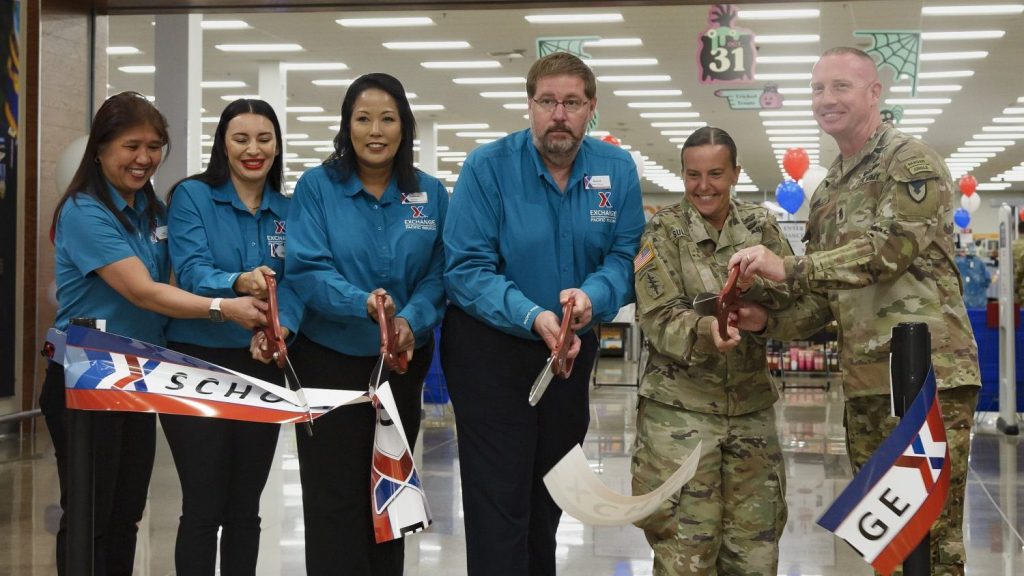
<point x="728" y="519"/>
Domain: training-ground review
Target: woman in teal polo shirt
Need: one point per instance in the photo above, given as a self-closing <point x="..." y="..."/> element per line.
<point x="364" y="223"/>
<point x="226" y="229"/>
<point x="111" y="264"/>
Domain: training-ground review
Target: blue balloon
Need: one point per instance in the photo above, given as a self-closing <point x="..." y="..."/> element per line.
<point x="962" y="217"/>
<point x="790" y="196"/>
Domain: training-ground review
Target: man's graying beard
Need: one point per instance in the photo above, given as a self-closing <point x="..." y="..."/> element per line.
<point x="560" y="147"/>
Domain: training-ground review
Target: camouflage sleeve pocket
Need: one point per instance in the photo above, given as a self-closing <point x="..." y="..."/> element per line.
<point x="920" y="186"/>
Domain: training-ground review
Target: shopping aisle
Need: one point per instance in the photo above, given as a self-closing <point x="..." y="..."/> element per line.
<point x="810" y="428"/>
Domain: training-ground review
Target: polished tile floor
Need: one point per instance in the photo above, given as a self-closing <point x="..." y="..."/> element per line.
<point x="810" y="426"/>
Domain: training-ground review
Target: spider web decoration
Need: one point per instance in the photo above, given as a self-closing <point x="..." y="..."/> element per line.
<point x="573" y="45"/>
<point x="899" y="50"/>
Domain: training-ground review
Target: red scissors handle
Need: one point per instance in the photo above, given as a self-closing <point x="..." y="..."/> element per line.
<point x="562" y="366"/>
<point x="728" y="300"/>
<point x="396" y="361"/>
<point x="276" y="348"/>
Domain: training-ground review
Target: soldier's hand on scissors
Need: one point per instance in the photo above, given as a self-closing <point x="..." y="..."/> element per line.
<point x="724" y="345"/>
<point x="371" y="304"/>
<point x="582" y="311"/>
<point x="406" y="340"/>
<point x="758" y="261"/>
<point x="253" y="283"/>
<point x="749" y="317"/>
<point x="246" y="311"/>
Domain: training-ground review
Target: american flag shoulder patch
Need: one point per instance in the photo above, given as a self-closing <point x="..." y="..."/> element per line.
<point x="644" y="257"/>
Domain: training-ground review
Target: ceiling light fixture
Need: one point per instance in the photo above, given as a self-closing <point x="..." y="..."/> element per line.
<point x="461" y="64"/>
<point x="989" y="142"/>
<point x="613" y="43"/>
<point x="515" y="106"/>
<point x="791" y="131"/>
<point x="642" y="93"/>
<point x="277" y="47"/>
<point x="784" y="76"/>
<point x="975" y="10"/>
<point x="784" y="113"/>
<point x="222" y="84"/>
<point x="918" y="121"/>
<point x="636" y="78"/>
<point x="573" y="18"/>
<point x="922" y="111"/>
<point x="790" y="122"/>
<point x="139" y="69"/>
<point x="491" y="80"/>
<point x="669" y="115"/>
<point x="941" y="75"/>
<point x="786" y="38"/>
<point x="981" y="149"/>
<point x="929" y="88"/>
<point x="787" y="59"/>
<point x="946" y="56"/>
<point x="428" y="45"/>
<point x="678" y="124"/>
<point x="1000" y="136"/>
<point x="778" y="14"/>
<point x="1010" y="120"/>
<point x="476" y="126"/>
<point x="334" y="81"/>
<point x="315" y="66"/>
<point x="592" y="62"/>
<point x="122" y="50"/>
<point x="795" y="91"/>
<point x="385" y="22"/>
<point x="1013" y="110"/>
<point x="426" y="107"/>
<point x="913" y="101"/>
<point x="963" y="35"/>
<point x="224" y="25"/>
<point x="478" y="134"/>
<point x="659" y="104"/>
<point x="304" y="109"/>
<point x="516" y="94"/>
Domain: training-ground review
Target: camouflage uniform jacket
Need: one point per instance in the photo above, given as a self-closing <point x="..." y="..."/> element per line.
<point x="685" y="258"/>
<point x="880" y="252"/>
<point x="1018" y="269"/>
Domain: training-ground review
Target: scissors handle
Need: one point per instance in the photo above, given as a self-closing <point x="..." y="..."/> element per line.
<point x="728" y="299"/>
<point x="276" y="348"/>
<point x="562" y="366"/>
<point x="395" y="361"/>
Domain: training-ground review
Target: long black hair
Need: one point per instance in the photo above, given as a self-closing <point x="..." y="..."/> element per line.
<point x="343" y="162"/>
<point x="118" y="114"/>
<point x="218" y="171"/>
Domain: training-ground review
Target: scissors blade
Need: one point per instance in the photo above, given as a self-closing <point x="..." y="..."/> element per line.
<point x="542" y="381"/>
<point x="706" y="304"/>
<point x="293" y="384"/>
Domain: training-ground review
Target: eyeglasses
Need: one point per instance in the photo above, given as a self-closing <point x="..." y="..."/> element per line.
<point x="571" y="105"/>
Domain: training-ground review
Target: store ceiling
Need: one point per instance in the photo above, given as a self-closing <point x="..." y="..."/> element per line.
<point x="668" y="41"/>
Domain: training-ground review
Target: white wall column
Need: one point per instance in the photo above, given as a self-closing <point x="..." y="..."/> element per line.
<point x="428" y="147"/>
<point x="178" y="42"/>
<point x="273" y="87"/>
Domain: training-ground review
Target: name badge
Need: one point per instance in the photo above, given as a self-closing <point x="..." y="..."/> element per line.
<point x="160" y="233"/>
<point x="414" y="198"/>
<point x="597" y="182"/>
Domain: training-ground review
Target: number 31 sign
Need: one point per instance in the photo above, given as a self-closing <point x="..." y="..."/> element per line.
<point x="725" y="53"/>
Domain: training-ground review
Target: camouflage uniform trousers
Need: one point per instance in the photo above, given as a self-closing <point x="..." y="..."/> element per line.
<point x="728" y="519"/>
<point x="868" y="423"/>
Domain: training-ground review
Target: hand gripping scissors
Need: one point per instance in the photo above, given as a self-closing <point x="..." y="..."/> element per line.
<point x="278" y="351"/>
<point x="558" y="364"/>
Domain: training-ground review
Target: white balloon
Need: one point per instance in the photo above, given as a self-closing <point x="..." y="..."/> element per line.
<point x="67" y="163"/>
<point x="970" y="203"/>
<point x="814" y="175"/>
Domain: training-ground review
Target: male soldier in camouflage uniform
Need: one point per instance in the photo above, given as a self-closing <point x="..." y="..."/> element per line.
<point x="1018" y="263"/>
<point x="880" y="252"/>
<point x="728" y="519"/>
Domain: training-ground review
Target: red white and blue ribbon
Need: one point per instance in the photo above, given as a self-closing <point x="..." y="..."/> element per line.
<point x="893" y="501"/>
<point x="104" y="371"/>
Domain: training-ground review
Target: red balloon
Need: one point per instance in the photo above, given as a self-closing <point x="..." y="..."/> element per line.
<point x="968" y="184"/>
<point x="796" y="163"/>
<point x="1021" y="214"/>
<point x="612" y="140"/>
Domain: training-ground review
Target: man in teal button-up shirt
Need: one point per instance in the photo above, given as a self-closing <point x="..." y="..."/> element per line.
<point x="537" y="217"/>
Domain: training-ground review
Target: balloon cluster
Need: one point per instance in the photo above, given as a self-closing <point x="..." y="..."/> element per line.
<point x="790" y="193"/>
<point x="969" y="202"/>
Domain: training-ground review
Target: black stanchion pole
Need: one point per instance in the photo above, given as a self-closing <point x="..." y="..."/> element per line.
<point x="80" y="485"/>
<point x="911" y="350"/>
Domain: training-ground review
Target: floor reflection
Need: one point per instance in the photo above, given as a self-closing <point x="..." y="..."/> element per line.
<point x="810" y="429"/>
